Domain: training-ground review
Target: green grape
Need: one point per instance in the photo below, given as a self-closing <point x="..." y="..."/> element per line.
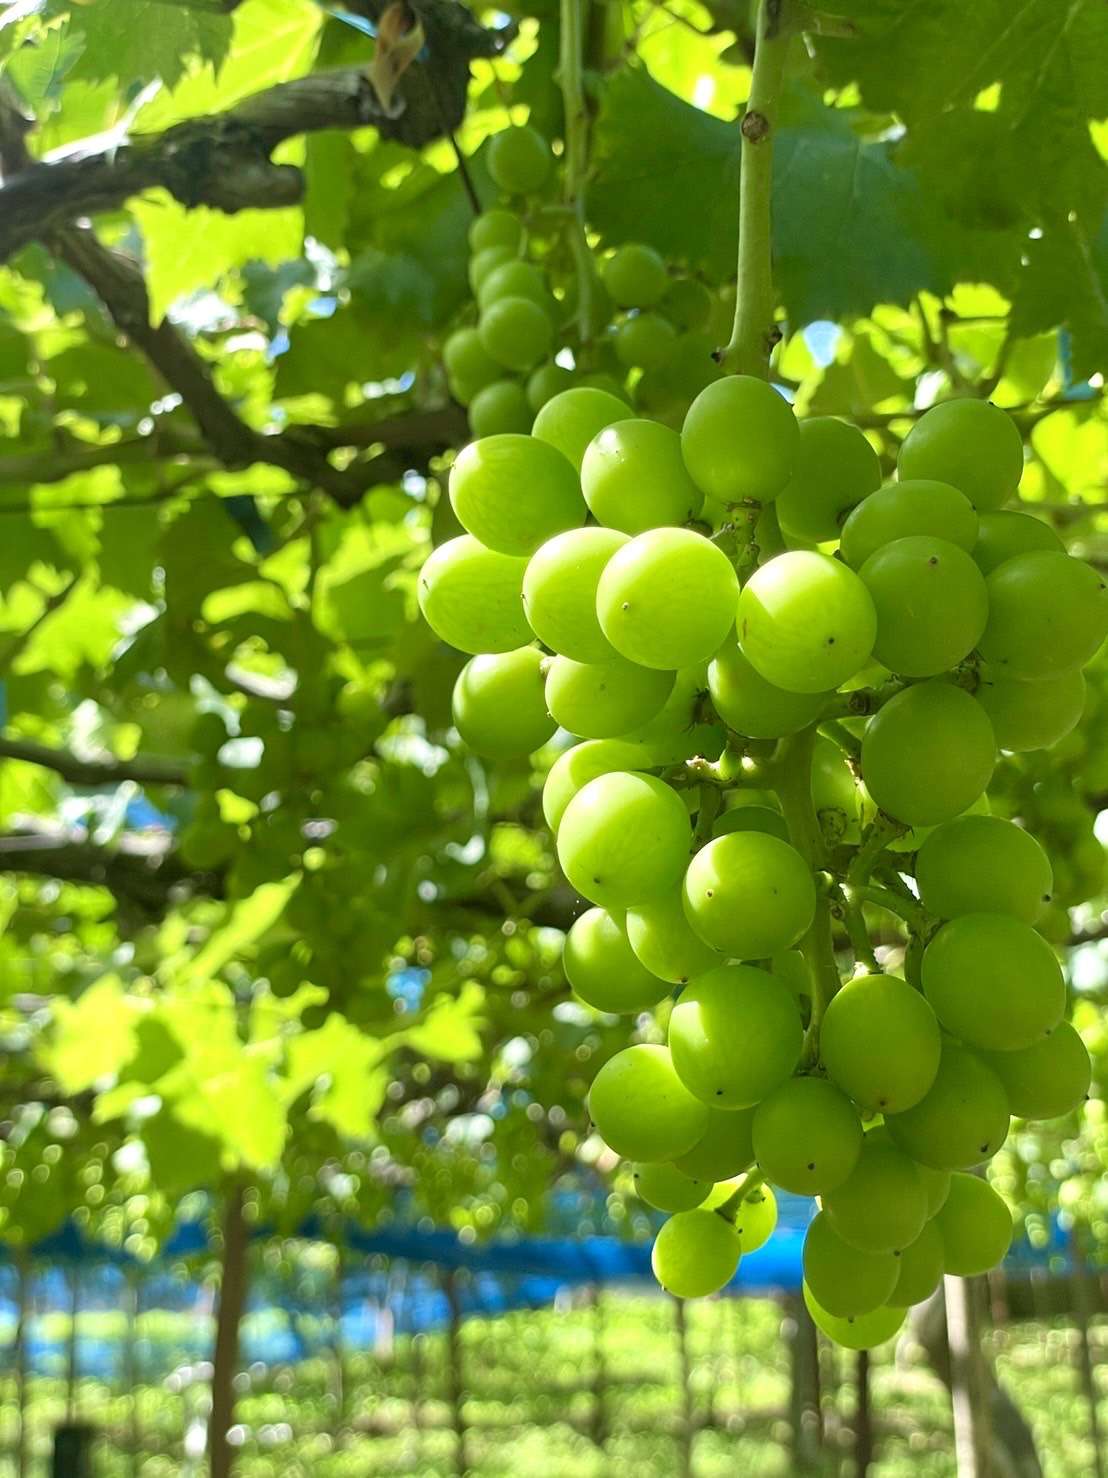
<point x="546" y="382"/>
<point x="559" y="589"/>
<point x="634" y="479"/>
<point x="602" y="970"/>
<point x="749" y="895"/>
<point x="723" y="1150"/>
<point x="752" y="706"/>
<point x="584" y="762"/>
<point x="970" y="444"/>
<point x="751" y="818"/>
<point x="662" y="940"/>
<point x="498" y="409"/>
<point x="806" y="622"/>
<point x="880" y="1043"/>
<point x="756" y="1218"/>
<point x="846" y="1280"/>
<point x="983" y="864"/>
<point x="513" y="280"/>
<point x="740" y="440"/>
<point x="836" y="795"/>
<point x="569" y="421"/>
<point x="835" y="468"/>
<point x="791" y="968"/>
<point x="993" y="982"/>
<point x="601" y="700"/>
<point x="667" y="599"/>
<point x="1048" y="613"/>
<point x="961" y="1120"/>
<point x="936" y="1183"/>
<point x="666" y="1189"/>
<point x="882" y="1204"/>
<point x="486" y="262"/>
<point x="857" y="1332"/>
<point x="695" y="1253"/>
<point x="498" y="705"/>
<point x="513" y="493"/>
<point x="1048" y="1079"/>
<point x="807" y="1136"/>
<point x="640" y="1107"/>
<point x="635" y="276"/>
<point x="931" y="604"/>
<point x="904" y="509"/>
<point x="624" y="839"/>
<point x="645" y="341"/>
<point x="735" y="1034"/>
<point x="608" y="384"/>
<point x="1032" y="715"/>
<point x="928" y="754"/>
<point x="470" y="597"/>
<point x="516" y="333"/>
<point x="1003" y="535"/>
<point x="668" y="391"/>
<point x="495" y="228"/>
<point x="920" y="1269"/>
<point x="688" y="304"/>
<point x="678" y="715"/>
<point x="975" y="1226"/>
<point x="468" y="363"/>
<point x="519" y="160"/>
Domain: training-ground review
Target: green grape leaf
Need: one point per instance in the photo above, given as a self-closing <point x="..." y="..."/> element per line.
<point x="451" y="1028"/>
<point x="245" y="925"/>
<point x="239" y="1106"/>
<point x="347" y="1061"/>
<point x="93" y="1037"/>
<point x="181" y="1158"/>
<point x="139" y="40"/>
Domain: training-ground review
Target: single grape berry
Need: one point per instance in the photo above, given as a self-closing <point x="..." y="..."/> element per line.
<point x="931" y="604"/>
<point x="559" y="589"/>
<point x="928" y="754"/>
<point x="601" y="700"/>
<point x="569" y="421"/>
<point x="846" y="1280"/>
<point x="807" y="1136"/>
<point x="882" y="1204"/>
<point x="806" y="622"/>
<point x="970" y="444"/>
<point x="519" y="160"/>
<point x="635" y="276"/>
<point x="602" y="969"/>
<point x="735" y="1035"/>
<point x="835" y="469"/>
<point x="752" y="706"/>
<point x="975" y="1226"/>
<point x="993" y="982"/>
<point x="740" y="440"/>
<point x="1047" y="1079"/>
<point x="749" y="895"/>
<point x="666" y="1189"/>
<point x="516" y="333"/>
<point x="663" y="941"/>
<point x="695" y="1253"/>
<point x="961" y="1120"/>
<point x="470" y="597"/>
<point x="1003" y="535"/>
<point x="495" y="228"/>
<point x="1028" y="715"/>
<point x="983" y="864"/>
<point x="880" y="1043"/>
<point x="920" y="1268"/>
<point x="634" y="478"/>
<point x="856" y="1332"/>
<point x="513" y="493"/>
<point x="624" y="839"/>
<point x="499" y="408"/>
<point x="499" y="706"/>
<point x="724" y="1149"/>
<point x="640" y="1107"/>
<point x="1048" y="613"/>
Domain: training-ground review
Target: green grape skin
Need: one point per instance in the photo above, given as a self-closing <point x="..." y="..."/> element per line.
<point x="602" y="700"/>
<point x="623" y="840"/>
<point x="756" y="1218"/>
<point x="993" y="982"/>
<point x="920" y="1269"/>
<point x="513" y="493"/>
<point x="1028" y="715"/>
<point x="511" y="281"/>
<point x="516" y="333"/>
<point x="752" y="706"/>
<point x="644" y="341"/>
<point x="546" y="382"/>
<point x="635" y="276"/>
<point x="931" y="604"/>
<point x="559" y="590"/>
<point x="519" y="160"/>
<point x="602" y="969"/>
<point x="696" y="1253"/>
<point x="983" y="864"/>
<point x="499" y="408"/>
<point x="974" y="446"/>
<point x="791" y="968"/>
<point x="806" y="622"/>
<point x="835" y="468"/>
<point x="1048" y="613"/>
<point x="858" y="1332"/>
<point x="846" y="1280"/>
<point x="751" y="818"/>
<point x="1004" y="534"/>
<point x="724" y="1150"/>
<point x="1047" y="1079"/>
<point x="495" y="228"/>
<point x="582" y="763"/>
<point x="903" y="509"/>
<point x="667" y="599"/>
<point x="688" y="304"/>
<point x="641" y="1109"/>
<point x="928" y="754"/>
<point x="880" y="1043"/>
<point x="470" y="597"/>
<point x="936" y="1183"/>
<point x="660" y="936"/>
<point x="677" y="729"/>
<point x="498" y="704"/>
<point x="807" y="1136"/>
<point x="666" y="1189"/>
<point x="882" y="1204"/>
<point x="485" y="262"/>
<point x="634" y="479"/>
<point x="749" y="895"/>
<point x="740" y="440"/>
<point x="962" y="1119"/>
<point x="607" y="384"/>
<point x="570" y="420"/>
<point x="735" y="1035"/>
<point x="836" y="796"/>
<point x="469" y="365"/>
<point x="975" y="1226"/>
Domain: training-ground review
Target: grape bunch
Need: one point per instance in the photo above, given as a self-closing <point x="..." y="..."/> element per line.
<point x="788" y="686"/>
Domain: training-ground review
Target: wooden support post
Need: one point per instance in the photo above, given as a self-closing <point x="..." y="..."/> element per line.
<point x="969" y="1383"/>
<point x="685" y="1428"/>
<point x="338" y="1344"/>
<point x="455" y="1372"/>
<point x="130" y="1368"/>
<point x="599" y="1423"/>
<point x="232" y="1300"/>
<point x="1083" y="1303"/>
<point x="804" y="1397"/>
<point x="71" y="1345"/>
<point x="735" y="1301"/>
<point x="863" y="1417"/>
<point x="22" y="1339"/>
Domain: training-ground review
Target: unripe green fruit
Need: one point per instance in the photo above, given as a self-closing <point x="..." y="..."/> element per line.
<point x="499" y="704"/>
<point x="807" y="1136"/>
<point x="846" y="1280"/>
<point x="975" y="1226"/>
<point x="519" y="160"/>
<point x="740" y="440"/>
<point x="602" y="969"/>
<point x="641" y="1109"/>
<point x="635" y="276"/>
<point x="516" y="333"/>
<point x="666" y="1189"/>
<point x="696" y="1253"/>
<point x="499" y="408"/>
<point x="970" y="444"/>
<point x="724" y="1149"/>
<point x="735" y="1035"/>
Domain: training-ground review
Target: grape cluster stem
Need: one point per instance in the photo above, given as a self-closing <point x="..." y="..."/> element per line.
<point x="730" y="1208"/>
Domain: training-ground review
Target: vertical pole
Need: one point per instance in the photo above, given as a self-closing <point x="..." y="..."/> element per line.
<point x="863" y="1417"/>
<point x="71" y="1348"/>
<point x="735" y="1301"/>
<point x="806" y="1424"/>
<point x="685" y="1436"/>
<point x="599" y="1370"/>
<point x="1082" y="1307"/>
<point x="969" y="1391"/>
<point x="454" y="1371"/>
<point x="22" y="1334"/>
<point x="130" y="1368"/>
<point x="232" y="1300"/>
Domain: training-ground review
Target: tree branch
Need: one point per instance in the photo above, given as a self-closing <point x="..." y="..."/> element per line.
<point x="148" y="770"/>
<point x="143" y="870"/>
